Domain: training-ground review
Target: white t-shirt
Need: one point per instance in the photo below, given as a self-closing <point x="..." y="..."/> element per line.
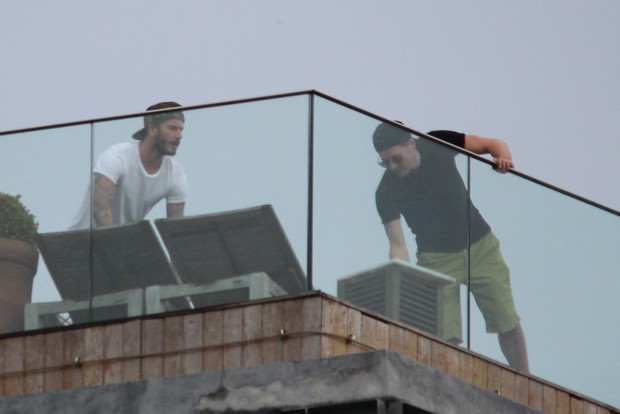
<point x="137" y="191"/>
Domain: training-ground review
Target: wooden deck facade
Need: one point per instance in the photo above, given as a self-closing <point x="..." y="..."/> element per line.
<point x="303" y="327"/>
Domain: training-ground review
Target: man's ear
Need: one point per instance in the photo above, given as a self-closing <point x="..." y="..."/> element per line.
<point x="152" y="129"/>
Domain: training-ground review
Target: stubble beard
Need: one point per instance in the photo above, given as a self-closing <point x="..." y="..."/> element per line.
<point x="162" y="147"/>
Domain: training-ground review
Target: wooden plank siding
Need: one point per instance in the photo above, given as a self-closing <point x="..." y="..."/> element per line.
<point x="309" y="326"/>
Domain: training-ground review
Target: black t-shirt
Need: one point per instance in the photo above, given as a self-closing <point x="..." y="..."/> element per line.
<point x="432" y="198"/>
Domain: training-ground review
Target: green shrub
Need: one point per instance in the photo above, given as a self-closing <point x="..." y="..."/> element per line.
<point x="16" y="221"/>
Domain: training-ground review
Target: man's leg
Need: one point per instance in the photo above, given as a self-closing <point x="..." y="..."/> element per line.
<point x="490" y="283"/>
<point x="513" y="346"/>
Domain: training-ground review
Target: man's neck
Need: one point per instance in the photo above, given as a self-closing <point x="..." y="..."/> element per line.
<point x="149" y="156"/>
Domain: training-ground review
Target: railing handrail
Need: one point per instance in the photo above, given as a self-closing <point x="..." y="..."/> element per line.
<point x="334" y="100"/>
<point x="471" y="154"/>
<point x="138" y="114"/>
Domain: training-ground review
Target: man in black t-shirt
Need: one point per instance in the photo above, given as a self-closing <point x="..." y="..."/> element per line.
<point x="422" y="184"/>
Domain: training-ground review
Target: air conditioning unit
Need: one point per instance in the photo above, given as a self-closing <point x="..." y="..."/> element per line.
<point x="401" y="291"/>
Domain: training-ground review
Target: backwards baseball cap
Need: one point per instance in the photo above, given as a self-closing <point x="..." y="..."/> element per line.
<point x="158" y="118"/>
<point x="388" y="135"/>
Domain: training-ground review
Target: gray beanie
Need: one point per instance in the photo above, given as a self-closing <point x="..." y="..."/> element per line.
<point x="387" y="135"/>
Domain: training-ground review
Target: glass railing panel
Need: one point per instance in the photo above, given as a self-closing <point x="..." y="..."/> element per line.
<point x="244" y="231"/>
<point x="563" y="260"/>
<point x="348" y="235"/>
<point x="48" y="169"/>
<point x="351" y="249"/>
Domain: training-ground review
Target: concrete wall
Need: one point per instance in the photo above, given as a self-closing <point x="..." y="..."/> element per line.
<point x="263" y="389"/>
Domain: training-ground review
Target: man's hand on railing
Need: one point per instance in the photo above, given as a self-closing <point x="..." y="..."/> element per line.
<point x="503" y="164"/>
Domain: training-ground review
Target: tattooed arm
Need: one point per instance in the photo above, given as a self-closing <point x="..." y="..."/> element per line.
<point x="102" y="203"/>
<point x="175" y="209"/>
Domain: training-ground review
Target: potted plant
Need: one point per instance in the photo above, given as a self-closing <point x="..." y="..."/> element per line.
<point x="19" y="259"/>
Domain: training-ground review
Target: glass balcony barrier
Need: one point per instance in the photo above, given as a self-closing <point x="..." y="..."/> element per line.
<point x="282" y="199"/>
<point x="242" y="237"/>
<point x="562" y="254"/>
<point x="43" y="174"/>
<point x="559" y="251"/>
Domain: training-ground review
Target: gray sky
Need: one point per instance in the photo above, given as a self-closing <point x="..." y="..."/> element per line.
<point x="541" y="75"/>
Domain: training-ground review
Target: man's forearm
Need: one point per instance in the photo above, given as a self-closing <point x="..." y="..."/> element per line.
<point x="175" y="210"/>
<point x="497" y="148"/>
<point x="103" y="217"/>
<point x="102" y="202"/>
<point x="396" y="238"/>
<point x="399" y="253"/>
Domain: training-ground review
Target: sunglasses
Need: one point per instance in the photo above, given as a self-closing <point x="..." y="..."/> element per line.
<point x="394" y="159"/>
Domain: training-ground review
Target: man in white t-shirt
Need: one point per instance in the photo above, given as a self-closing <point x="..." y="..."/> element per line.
<point x="131" y="178"/>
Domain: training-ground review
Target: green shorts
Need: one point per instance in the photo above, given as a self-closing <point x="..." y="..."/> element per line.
<point x="490" y="285"/>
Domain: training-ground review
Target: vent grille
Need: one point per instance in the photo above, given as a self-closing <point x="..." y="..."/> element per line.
<point x="406" y="293"/>
<point x="367" y="292"/>
<point x="418" y="304"/>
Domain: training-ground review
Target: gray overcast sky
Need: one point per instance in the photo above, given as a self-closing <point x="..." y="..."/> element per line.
<point x="542" y="75"/>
